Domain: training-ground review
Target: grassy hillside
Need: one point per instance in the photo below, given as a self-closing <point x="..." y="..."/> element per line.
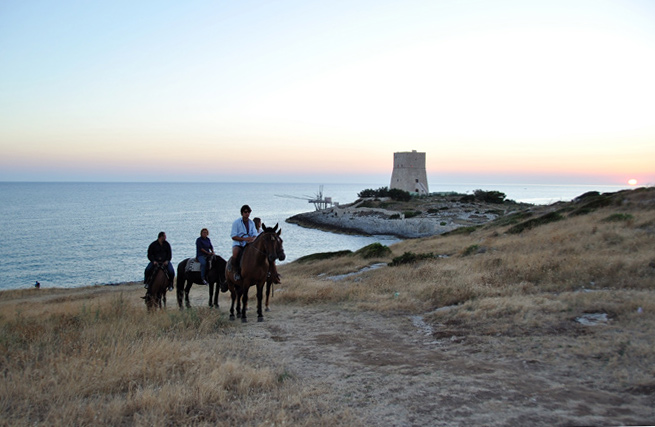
<point x="514" y="288"/>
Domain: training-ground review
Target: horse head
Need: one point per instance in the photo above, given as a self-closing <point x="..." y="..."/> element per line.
<point x="273" y="242"/>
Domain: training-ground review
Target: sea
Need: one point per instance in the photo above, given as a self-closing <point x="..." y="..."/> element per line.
<point x="79" y="234"/>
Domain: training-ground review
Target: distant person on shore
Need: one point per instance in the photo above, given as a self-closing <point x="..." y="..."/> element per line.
<point x="204" y="250"/>
<point x="160" y="253"/>
<point x="243" y="231"/>
<point x="37" y="285"/>
<point x="258" y="225"/>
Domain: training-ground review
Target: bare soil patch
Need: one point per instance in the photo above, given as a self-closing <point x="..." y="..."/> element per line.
<point x="396" y="370"/>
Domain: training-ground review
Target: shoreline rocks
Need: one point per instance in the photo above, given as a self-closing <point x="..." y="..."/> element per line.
<point x="359" y="220"/>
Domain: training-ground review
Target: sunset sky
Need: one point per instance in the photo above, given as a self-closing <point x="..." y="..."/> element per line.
<point x="307" y="91"/>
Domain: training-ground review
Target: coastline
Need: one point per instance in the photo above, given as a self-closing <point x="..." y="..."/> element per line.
<point x="422" y="217"/>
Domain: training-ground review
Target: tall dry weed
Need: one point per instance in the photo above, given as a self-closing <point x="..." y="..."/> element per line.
<point x="110" y="362"/>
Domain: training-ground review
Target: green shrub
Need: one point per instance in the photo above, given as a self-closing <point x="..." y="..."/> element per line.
<point x="592" y="203"/>
<point x="323" y="255"/>
<point x="462" y="230"/>
<point x="411" y="214"/>
<point x="410" y="258"/>
<point x="490" y="196"/>
<point x="374" y="250"/>
<point x="400" y="195"/>
<point x="512" y="219"/>
<point x="535" y="222"/>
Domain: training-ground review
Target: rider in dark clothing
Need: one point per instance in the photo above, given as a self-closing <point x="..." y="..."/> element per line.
<point x="159" y="252"/>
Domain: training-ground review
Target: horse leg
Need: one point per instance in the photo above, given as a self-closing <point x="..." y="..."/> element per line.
<point x="163" y="298"/>
<point x="187" y="289"/>
<point x="180" y="289"/>
<point x="211" y="294"/>
<point x="260" y="294"/>
<point x="217" y="290"/>
<point x="244" y="305"/>
<point x="269" y="282"/>
<point x="233" y="296"/>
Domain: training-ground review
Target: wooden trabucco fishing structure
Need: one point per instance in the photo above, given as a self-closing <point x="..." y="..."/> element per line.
<point x="318" y="200"/>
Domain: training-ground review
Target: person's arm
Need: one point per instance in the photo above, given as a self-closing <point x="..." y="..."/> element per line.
<point x="235" y="231"/>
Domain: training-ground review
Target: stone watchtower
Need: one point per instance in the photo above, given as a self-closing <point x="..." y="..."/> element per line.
<point x="409" y="172"/>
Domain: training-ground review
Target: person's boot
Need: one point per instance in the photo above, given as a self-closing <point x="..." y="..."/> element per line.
<point x="170" y="285"/>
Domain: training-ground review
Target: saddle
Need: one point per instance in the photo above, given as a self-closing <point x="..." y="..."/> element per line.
<point x="154" y="271"/>
<point x="192" y="265"/>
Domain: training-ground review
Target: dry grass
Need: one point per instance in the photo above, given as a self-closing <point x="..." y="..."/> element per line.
<point x="102" y="359"/>
<point x="82" y="358"/>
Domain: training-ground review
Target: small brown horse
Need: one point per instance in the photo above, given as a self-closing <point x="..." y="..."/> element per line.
<point x="256" y="258"/>
<point x="156" y="292"/>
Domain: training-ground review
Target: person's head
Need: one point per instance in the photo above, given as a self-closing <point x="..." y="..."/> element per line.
<point x="245" y="211"/>
<point x="258" y="222"/>
<point x="161" y="236"/>
<point x="204" y="232"/>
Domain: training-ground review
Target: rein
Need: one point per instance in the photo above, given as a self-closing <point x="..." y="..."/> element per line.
<point x="256" y="248"/>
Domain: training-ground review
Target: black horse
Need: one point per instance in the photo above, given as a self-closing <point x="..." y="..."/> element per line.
<point x="215" y="276"/>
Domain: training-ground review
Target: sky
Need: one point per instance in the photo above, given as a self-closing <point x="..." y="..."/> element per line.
<point x="326" y="91"/>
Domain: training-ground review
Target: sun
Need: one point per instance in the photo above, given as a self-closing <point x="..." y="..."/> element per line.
<point x="632" y="181"/>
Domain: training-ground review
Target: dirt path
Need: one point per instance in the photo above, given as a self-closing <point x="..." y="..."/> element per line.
<point x="395" y="370"/>
<point x="392" y="371"/>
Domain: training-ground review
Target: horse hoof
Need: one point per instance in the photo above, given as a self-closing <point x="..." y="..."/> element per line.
<point x="231" y="316"/>
<point x="267" y="309"/>
<point x="244" y="320"/>
<point x="260" y="319"/>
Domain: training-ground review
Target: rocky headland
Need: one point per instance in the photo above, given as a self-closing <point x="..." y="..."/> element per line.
<point x="418" y="217"/>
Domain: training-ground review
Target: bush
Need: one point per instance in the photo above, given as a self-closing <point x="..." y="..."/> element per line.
<point x="374" y="250"/>
<point x="395" y="194"/>
<point x="409" y="258"/>
<point x="400" y="195"/>
<point x="490" y="196"/>
<point x="535" y="222"/>
<point x="462" y="230"/>
<point x="369" y="192"/>
<point x="323" y="255"/>
<point x="592" y="202"/>
<point x="411" y="214"/>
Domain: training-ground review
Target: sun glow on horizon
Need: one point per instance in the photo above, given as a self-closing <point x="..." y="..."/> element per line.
<point x="632" y="181"/>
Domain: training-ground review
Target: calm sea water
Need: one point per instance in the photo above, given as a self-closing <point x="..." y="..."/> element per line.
<point x="79" y="234"/>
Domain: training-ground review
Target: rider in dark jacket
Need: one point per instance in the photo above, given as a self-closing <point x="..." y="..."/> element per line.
<point x="159" y="252"/>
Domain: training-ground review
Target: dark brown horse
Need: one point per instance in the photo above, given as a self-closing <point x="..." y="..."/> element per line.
<point x="156" y="292"/>
<point x="256" y="258"/>
<point x="215" y="276"/>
